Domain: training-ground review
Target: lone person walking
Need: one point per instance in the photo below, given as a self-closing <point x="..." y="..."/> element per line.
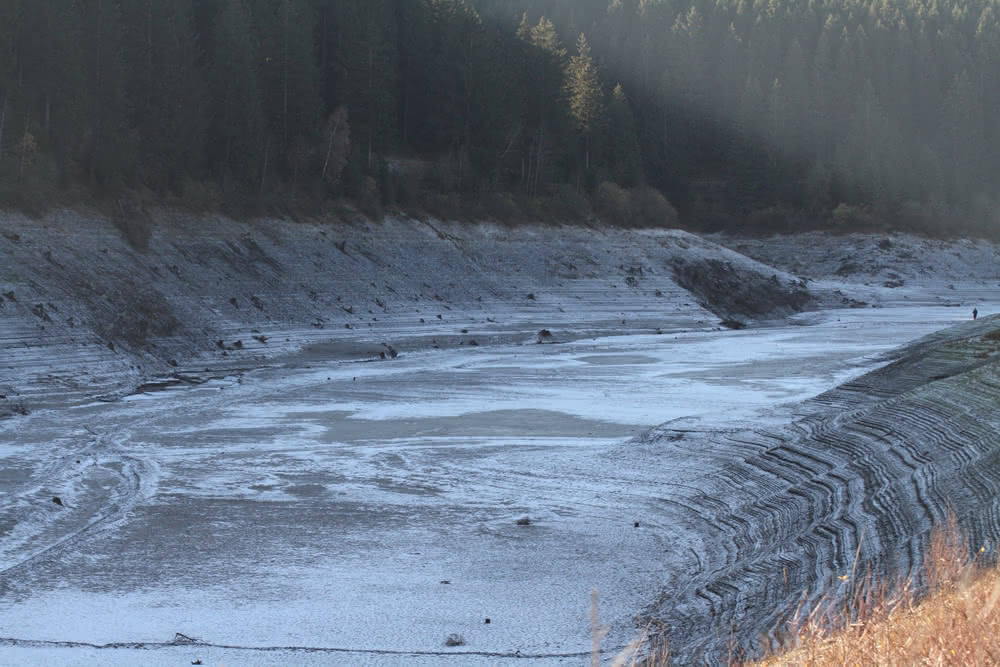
<point x="975" y="313"/>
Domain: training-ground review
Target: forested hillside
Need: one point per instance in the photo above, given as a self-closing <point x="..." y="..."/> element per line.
<point x="759" y="114"/>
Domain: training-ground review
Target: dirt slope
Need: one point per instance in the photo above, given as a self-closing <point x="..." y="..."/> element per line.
<point x="83" y="312"/>
<point x="779" y="517"/>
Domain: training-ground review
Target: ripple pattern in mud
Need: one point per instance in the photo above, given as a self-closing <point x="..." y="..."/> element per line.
<point x="774" y="519"/>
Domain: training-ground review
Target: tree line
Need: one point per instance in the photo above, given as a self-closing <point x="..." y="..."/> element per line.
<point x="744" y="113"/>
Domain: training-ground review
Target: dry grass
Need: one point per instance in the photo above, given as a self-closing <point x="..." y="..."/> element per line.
<point x="956" y="623"/>
<point x="955" y="626"/>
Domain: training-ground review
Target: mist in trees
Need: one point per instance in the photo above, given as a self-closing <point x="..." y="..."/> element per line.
<point x="745" y="114"/>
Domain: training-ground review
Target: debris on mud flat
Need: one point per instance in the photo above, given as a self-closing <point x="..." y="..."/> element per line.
<point x="545" y="336"/>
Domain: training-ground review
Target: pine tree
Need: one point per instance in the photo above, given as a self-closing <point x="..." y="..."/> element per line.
<point x="369" y="74"/>
<point x="796" y="140"/>
<point x="543" y="72"/>
<point x="238" y="146"/>
<point x="108" y="154"/>
<point x="166" y="91"/>
<point x="584" y="95"/>
<point x="623" y="143"/>
<point x="746" y="159"/>
<point x="963" y="136"/>
<point x="457" y="42"/>
<point x="338" y="146"/>
<point x="51" y="79"/>
<point x="415" y="39"/>
<point x="9" y="27"/>
<point x="288" y="77"/>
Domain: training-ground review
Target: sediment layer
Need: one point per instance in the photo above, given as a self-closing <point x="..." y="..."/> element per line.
<point x="773" y="519"/>
<point x="83" y="311"/>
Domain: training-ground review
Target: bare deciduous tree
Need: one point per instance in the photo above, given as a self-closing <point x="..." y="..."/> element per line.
<point x="338" y="146"/>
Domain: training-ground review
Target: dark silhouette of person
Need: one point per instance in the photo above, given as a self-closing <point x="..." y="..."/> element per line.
<point x="975" y="313"/>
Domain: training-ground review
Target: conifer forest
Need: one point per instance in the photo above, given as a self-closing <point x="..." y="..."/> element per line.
<point x="743" y="114"/>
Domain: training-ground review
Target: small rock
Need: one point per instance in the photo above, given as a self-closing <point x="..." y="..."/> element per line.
<point x="173" y="362"/>
<point x="236" y="304"/>
<point x="454" y="639"/>
<point x="58" y="501"/>
<point x="524" y="521"/>
<point x="636" y="524"/>
<point x="487" y="621"/>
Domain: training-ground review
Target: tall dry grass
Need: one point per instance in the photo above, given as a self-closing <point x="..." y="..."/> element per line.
<point x="957" y="622"/>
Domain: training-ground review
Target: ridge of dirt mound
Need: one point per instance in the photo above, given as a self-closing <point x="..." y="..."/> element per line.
<point x="740" y="293"/>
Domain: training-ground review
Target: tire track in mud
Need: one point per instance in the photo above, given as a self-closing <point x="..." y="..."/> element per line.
<point x="791" y="515"/>
<point x="97" y="485"/>
<point x="329" y="650"/>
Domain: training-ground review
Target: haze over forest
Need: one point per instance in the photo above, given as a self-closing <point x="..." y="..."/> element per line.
<point x="745" y="115"/>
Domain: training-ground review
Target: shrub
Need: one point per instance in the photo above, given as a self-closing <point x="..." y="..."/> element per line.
<point x="919" y="217"/>
<point x="572" y="203"/>
<point x="651" y="209"/>
<point x="502" y="207"/>
<point x="779" y="218"/>
<point x="848" y="217"/>
<point x="613" y="203"/>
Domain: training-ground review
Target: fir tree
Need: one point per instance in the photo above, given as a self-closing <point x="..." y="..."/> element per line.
<point x="584" y="95"/>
